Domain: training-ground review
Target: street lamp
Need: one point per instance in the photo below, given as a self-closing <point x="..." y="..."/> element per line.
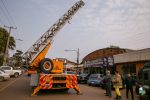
<point x="19" y="39"/>
<point x="77" y="51"/>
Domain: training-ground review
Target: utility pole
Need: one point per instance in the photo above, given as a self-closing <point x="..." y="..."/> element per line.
<point x="7" y="44"/>
<point x="77" y="51"/>
<point x="78" y="61"/>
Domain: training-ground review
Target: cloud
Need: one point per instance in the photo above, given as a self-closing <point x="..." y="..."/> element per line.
<point x="98" y="24"/>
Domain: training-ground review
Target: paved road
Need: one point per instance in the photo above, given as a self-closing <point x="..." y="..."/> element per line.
<point x="19" y="89"/>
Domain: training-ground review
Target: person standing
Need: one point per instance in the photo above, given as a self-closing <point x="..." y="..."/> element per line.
<point x="129" y="81"/>
<point x="117" y="84"/>
<point x="108" y="83"/>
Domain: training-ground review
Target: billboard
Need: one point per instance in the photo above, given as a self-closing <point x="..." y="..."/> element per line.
<point x="100" y="62"/>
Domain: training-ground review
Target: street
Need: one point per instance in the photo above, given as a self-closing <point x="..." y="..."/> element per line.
<point x="19" y="89"/>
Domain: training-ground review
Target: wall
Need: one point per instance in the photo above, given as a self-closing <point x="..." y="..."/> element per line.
<point x="135" y="56"/>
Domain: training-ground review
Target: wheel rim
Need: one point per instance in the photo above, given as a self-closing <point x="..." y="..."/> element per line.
<point x="47" y="65"/>
<point x="16" y="74"/>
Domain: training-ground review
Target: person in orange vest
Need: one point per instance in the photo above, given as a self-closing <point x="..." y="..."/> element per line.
<point x="117" y="84"/>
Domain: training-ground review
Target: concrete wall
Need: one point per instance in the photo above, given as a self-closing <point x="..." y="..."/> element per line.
<point x="139" y="55"/>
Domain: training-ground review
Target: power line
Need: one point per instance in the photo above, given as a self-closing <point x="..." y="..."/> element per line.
<point x="11" y="18"/>
<point x="1" y="22"/>
<point x="6" y="16"/>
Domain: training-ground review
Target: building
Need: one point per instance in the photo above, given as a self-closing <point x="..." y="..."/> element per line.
<point x="132" y="62"/>
<point x="72" y="66"/>
<point x="100" y="60"/>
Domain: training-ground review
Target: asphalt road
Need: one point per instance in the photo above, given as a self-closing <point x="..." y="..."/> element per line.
<point x="19" y="89"/>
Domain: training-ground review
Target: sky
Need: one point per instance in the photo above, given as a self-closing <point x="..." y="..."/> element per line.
<point x="98" y="24"/>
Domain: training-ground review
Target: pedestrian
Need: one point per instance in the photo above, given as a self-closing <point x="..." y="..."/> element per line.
<point x="117" y="84"/>
<point x="108" y="80"/>
<point x="129" y="81"/>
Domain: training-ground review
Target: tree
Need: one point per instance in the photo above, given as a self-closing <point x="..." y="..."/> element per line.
<point x="17" y="57"/>
<point x="3" y="42"/>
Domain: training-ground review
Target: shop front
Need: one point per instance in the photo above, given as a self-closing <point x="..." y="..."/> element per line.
<point x="99" y="65"/>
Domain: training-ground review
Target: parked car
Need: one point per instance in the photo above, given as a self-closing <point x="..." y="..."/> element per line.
<point x="3" y="75"/>
<point x="95" y="79"/>
<point x="11" y="71"/>
<point x="82" y="78"/>
<point x="69" y="72"/>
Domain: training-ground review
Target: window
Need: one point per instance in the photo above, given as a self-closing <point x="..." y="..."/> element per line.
<point x="145" y="76"/>
<point x="140" y="74"/>
<point x="129" y="68"/>
<point x="6" y="68"/>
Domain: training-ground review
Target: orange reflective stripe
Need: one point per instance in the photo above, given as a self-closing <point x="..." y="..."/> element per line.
<point x="43" y="80"/>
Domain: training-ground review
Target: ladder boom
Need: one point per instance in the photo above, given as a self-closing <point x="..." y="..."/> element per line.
<point x="34" y="51"/>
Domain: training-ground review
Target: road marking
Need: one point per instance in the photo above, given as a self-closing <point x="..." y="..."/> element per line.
<point x="2" y="89"/>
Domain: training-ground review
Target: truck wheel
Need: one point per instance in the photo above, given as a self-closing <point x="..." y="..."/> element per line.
<point x="46" y="65"/>
<point x="1" y="78"/>
<point x="16" y="75"/>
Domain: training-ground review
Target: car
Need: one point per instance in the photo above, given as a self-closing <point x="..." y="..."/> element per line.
<point x="69" y="72"/>
<point x="3" y="75"/>
<point x="95" y="79"/>
<point x="82" y="78"/>
<point x="11" y="71"/>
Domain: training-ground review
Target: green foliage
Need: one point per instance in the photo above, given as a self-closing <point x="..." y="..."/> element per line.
<point x="3" y="42"/>
<point x="18" y="58"/>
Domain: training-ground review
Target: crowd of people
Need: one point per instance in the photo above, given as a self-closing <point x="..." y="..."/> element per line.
<point x="118" y="82"/>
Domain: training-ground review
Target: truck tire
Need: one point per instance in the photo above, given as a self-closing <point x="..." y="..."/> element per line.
<point x="46" y="65"/>
<point x="16" y="74"/>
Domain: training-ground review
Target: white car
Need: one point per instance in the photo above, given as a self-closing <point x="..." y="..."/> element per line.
<point x="11" y="71"/>
<point x="3" y="75"/>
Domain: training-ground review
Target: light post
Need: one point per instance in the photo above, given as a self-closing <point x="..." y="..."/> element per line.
<point x="19" y="39"/>
<point x="77" y="51"/>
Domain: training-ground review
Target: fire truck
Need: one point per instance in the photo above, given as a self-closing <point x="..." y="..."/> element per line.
<point x="47" y="73"/>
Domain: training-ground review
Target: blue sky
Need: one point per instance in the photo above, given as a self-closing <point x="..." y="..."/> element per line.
<point x="99" y="24"/>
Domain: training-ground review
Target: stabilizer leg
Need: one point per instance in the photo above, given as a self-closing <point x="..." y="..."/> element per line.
<point x="77" y="89"/>
<point x="36" y="90"/>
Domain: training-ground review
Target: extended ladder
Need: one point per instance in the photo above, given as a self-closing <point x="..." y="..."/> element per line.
<point x="31" y="54"/>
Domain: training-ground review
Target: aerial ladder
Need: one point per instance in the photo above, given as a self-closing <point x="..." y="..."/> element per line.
<point x="47" y="73"/>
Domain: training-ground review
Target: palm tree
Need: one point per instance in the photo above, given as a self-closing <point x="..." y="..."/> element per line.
<point x="3" y="41"/>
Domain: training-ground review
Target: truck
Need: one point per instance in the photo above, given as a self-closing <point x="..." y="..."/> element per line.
<point x="11" y="71"/>
<point x="45" y="72"/>
<point x="144" y="79"/>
